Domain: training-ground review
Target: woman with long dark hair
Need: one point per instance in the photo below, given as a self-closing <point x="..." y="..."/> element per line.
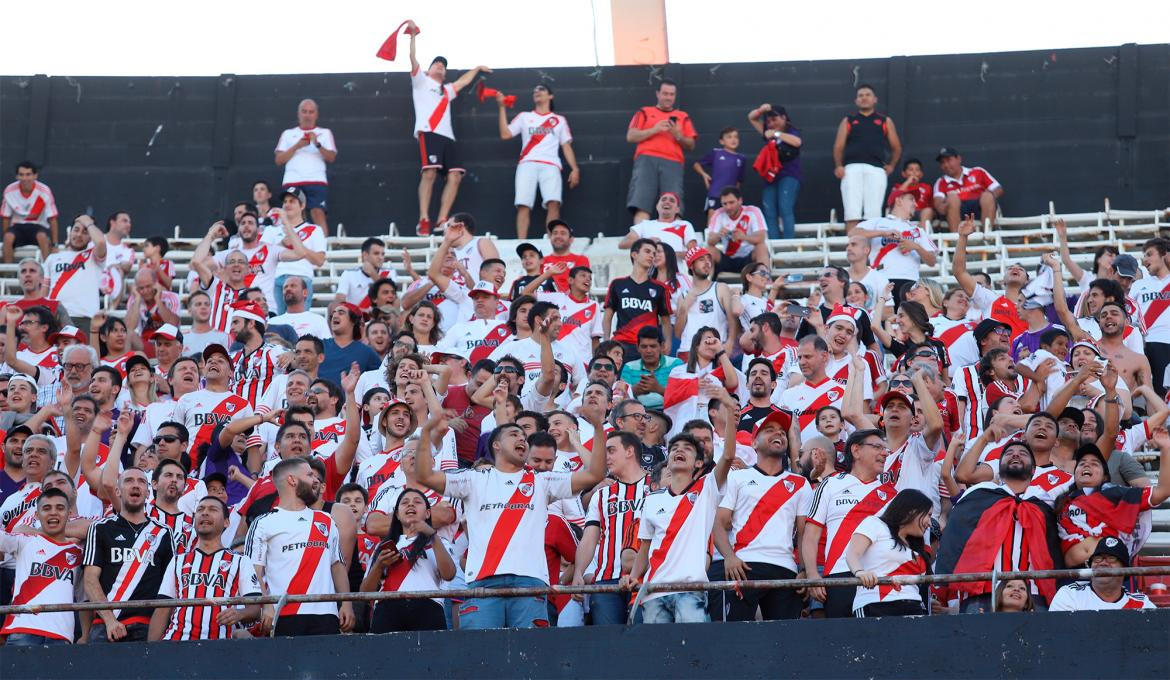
<point x="422" y="322"/>
<point x="411" y="558"/>
<point x="113" y="344"/>
<point x="1014" y="595"/>
<point x="914" y="332"/>
<point x="666" y="272"/>
<point x="891" y="544"/>
<point x="778" y="200"/>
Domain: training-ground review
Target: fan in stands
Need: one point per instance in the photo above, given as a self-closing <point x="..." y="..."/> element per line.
<point x="607" y="418"/>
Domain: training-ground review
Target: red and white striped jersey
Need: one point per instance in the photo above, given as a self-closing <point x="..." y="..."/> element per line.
<point x="764" y="509"/>
<point x="75" y="280"/>
<point x="679" y="528"/>
<point x="222" y="296"/>
<point x="839" y="505"/>
<point x="180" y="524"/>
<point x="403" y="576"/>
<point x="506" y="517"/>
<point x="1153" y="298"/>
<point x="432" y="105"/>
<point x="805" y="399"/>
<point x="297" y="549"/>
<point x="36" y="207"/>
<point x="614" y="510"/>
<point x="262" y="261"/>
<point x="47" y="572"/>
<point x="253" y="372"/>
<point x="977" y="397"/>
<point x="202" y="410"/>
<point x="885" y="557"/>
<point x="541" y="135"/>
<point x="749" y="221"/>
<point x="197" y="574"/>
<point x="885" y="255"/>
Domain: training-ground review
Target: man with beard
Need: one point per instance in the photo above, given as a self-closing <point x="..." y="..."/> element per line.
<point x="208" y="569"/>
<point x="840" y="503"/>
<point x="395" y="422"/>
<point x="1006" y="525"/>
<point x="297" y="551"/>
<point x="629" y="415"/>
<point x="202" y="410"/>
<point x="126" y="557"/>
<point x="506" y="495"/>
<point x="707" y="303"/>
<point x="303" y="320"/>
<point x="762" y="510"/>
<point x="262" y="257"/>
<point x="325" y="399"/>
<point x="761" y="382"/>
<point x="773" y="337"/>
<point x="257" y="362"/>
<point x="38" y="456"/>
<point x="344" y="346"/>
<point x="12" y="476"/>
<point x="75" y="272"/>
<point x="169" y="481"/>
<point x="1136" y="369"/>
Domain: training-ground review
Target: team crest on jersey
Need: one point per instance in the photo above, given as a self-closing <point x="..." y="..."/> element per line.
<point x="588" y="314"/>
<point x="225" y="566"/>
<point x="501" y="331"/>
<point x="653" y="292"/>
<point x="321" y="527"/>
<point x="789" y="485"/>
<point x="833" y="395"/>
<point x="882" y="495"/>
<point x="525" y="489"/>
<point x="71" y="559"/>
<point x="692" y="496"/>
<point x="1053" y="478"/>
<point x="230" y="406"/>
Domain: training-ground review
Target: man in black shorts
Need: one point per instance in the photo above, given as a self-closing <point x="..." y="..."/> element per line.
<point x="436" y="136"/>
<point x="28" y="214"/>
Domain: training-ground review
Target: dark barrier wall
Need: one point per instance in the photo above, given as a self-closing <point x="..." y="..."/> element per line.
<point x="1071" y="126"/>
<point x="1119" y="644"/>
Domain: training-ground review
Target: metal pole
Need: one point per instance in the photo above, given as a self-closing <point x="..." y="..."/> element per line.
<point x="1077" y="574"/>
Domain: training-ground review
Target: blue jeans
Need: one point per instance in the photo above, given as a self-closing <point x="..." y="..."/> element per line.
<point x="30" y="640"/>
<point x="277" y="292"/>
<point x="609" y="608"/>
<point x="504" y="612"/>
<point x="779" y="204"/>
<point x="676" y="608"/>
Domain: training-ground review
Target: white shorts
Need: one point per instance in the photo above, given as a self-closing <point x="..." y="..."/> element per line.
<point x="531" y="174"/>
<point x="862" y="190"/>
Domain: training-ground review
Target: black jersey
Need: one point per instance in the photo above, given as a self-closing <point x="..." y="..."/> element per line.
<point x="133" y="559"/>
<point x="868" y="141"/>
<point x="635" y="305"/>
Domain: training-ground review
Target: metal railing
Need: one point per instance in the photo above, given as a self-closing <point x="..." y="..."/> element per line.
<point x="468" y="593"/>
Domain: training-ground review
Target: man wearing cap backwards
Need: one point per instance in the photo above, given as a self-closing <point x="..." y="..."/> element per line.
<point x="961" y="191"/>
<point x="542" y="133"/>
<point x="1101" y="592"/>
<point x="396" y="422"/>
<point x="1097" y="510"/>
<point x="762" y="510"/>
<point x="202" y="410"/>
<point x="344" y="347"/>
<point x="433" y="129"/>
<point x="303" y="151"/>
<point x="256" y="364"/>
<point x="1001" y="307"/>
<point x="707" y="303"/>
<point x="669" y="228"/>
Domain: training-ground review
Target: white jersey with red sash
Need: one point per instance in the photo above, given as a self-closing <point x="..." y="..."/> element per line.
<point x="764" y="509"/>
<point x="119" y="363"/>
<point x="470" y="257"/>
<point x="1080" y="597"/>
<point x="20" y="508"/>
<point x="580" y="320"/>
<point x="885" y="557"/>
<point x="386" y="501"/>
<point x="432" y="104"/>
<point x="912" y="466"/>
<point x="355" y="285"/>
<point x="1048" y="481"/>
<point x="36" y="207"/>
<point x="958" y="337"/>
<point x="202" y="410"/>
<point x="475" y="339"/>
<point x="311" y="235"/>
<point x="422" y="574"/>
<point x="254" y="371"/>
<point x="297" y="549"/>
<point x="507" y="513"/>
<point x="262" y="262"/>
<point x="379" y="469"/>
<point x="1153" y="298"/>
<point x="74" y="280"/>
<point x="47" y="363"/>
<point x="839" y="505"/>
<point x="222" y="296"/>
<point x="750" y="220"/>
<point x="47" y="572"/>
<point x="542" y="135"/>
<point x="197" y="574"/>
<point x="805" y="399"/>
<point x="887" y="257"/>
<point x="840" y="369"/>
<point x="679" y="530"/>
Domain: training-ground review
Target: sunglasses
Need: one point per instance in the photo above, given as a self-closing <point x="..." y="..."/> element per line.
<point x="168" y="438"/>
<point x="904" y="382"/>
<point x="605" y="367"/>
<point x="507" y="369"/>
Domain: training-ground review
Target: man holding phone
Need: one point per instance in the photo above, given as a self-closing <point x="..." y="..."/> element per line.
<point x="663" y="134"/>
<point x="647" y="375"/>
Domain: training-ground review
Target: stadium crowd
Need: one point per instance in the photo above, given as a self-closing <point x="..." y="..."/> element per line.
<point x="473" y="429"/>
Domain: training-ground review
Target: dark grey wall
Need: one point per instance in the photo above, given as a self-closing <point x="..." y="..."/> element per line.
<point x="1072" y="126"/>
<point x="1123" y="644"/>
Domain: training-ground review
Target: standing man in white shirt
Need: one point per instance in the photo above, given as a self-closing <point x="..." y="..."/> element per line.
<point x="74" y="273"/>
<point x="542" y="133"/>
<point x="296" y="259"/>
<point x="303" y="151"/>
<point x="434" y="132"/>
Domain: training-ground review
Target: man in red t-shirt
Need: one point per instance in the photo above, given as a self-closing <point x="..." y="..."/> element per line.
<point x="560" y="236"/>
<point x="912" y="176"/>
<point x="458" y="399"/>
<point x="962" y="190"/>
<point x="663" y="134"/>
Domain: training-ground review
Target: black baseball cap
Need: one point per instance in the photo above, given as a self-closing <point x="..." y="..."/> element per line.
<point x="560" y="223"/>
<point x="946" y="152"/>
<point x="988" y="326"/>
<point x="525" y="247"/>
<point x="20" y="428"/>
<point x="216" y="477"/>
<point x="1114" y="547"/>
<point x="1091" y="450"/>
<point x="135" y="360"/>
<point x="295" y="192"/>
<point x="441" y="60"/>
<point x="1126" y="265"/>
<point x="1074" y="414"/>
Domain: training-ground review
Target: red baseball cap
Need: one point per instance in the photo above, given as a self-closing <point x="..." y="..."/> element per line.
<point x="783" y="418"/>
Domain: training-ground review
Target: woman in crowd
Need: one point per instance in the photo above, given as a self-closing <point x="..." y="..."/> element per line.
<point x="778" y="201"/>
<point x="891" y="544"/>
<point x="423" y="323"/>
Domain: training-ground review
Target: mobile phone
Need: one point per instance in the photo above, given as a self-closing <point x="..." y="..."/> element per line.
<point x="674" y="119"/>
<point x="794" y="278"/>
<point x="799" y="310"/>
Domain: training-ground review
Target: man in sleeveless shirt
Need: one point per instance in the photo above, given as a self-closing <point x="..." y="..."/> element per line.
<point x="865" y="152"/>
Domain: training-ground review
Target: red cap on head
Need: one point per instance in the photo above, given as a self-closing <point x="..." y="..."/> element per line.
<point x="695" y="253"/>
<point x="784" y="418"/>
<point x="246" y="309"/>
<point x="895" y="395"/>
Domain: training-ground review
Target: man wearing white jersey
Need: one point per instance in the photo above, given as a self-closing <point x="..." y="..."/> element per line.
<point x="297" y="550"/>
<point x="434" y="132"/>
<point x="477" y="337"/>
<point x="542" y="133"/>
<point x="1152" y="294"/>
<point x="737" y="233"/>
<point x="581" y="315"/>
<point x="675" y="527"/>
<point x="354" y="286"/>
<point x="257" y="362"/>
<point x="507" y="513"/>
<point x="48" y="569"/>
<point x="304" y="151"/>
<point x="304" y="244"/>
<point x="262" y="257"/>
<point x="28" y="212"/>
<point x="183" y="379"/>
<point x="119" y="256"/>
<point x="303" y="320"/>
<point x="669" y="228"/>
<point x="898" y="247"/>
<point x="761" y="512"/>
<point x="74" y="274"/>
<point x="839" y="505"/>
<point x="202" y="410"/>
<point x="817" y="391"/>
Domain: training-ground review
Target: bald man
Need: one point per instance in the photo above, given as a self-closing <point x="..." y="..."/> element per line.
<point x="303" y="151"/>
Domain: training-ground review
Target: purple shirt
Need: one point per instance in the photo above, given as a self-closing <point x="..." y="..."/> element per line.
<point x="1029" y="340"/>
<point x="8" y="485"/>
<point x="791" y="167"/>
<point x="219" y="459"/>
<point x="725" y="167"/>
